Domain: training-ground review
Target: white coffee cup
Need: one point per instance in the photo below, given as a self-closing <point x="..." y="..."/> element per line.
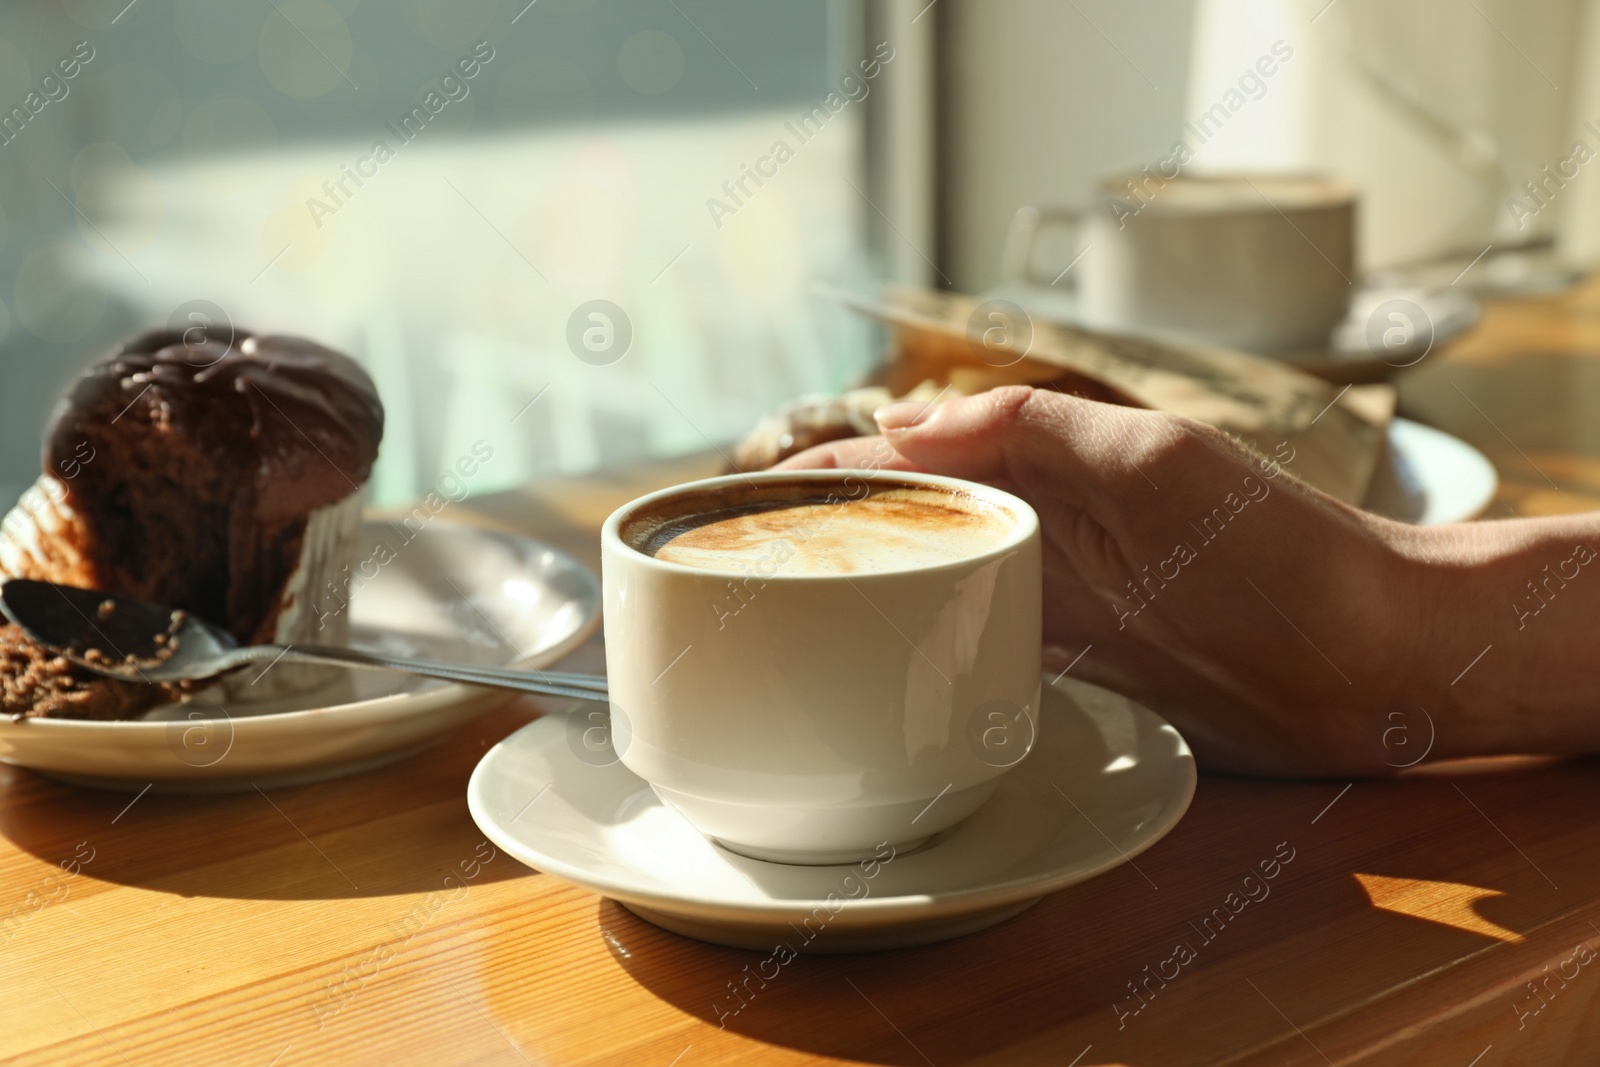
<point x="808" y="718"/>
<point x="1260" y="263"/>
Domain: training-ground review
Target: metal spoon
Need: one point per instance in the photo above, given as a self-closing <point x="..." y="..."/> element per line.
<point x="121" y="637"/>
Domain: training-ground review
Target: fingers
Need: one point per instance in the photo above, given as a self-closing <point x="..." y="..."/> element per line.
<point x="1030" y="437"/>
<point x="860" y="453"/>
<point x="967" y="437"/>
<point x="1040" y="442"/>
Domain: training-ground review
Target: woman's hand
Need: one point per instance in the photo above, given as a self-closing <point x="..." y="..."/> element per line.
<point x="1281" y="631"/>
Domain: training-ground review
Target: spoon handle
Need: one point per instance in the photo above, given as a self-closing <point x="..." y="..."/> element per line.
<point x="532" y="680"/>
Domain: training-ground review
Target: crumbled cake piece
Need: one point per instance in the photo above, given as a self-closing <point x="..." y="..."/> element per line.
<point x="35" y="683"/>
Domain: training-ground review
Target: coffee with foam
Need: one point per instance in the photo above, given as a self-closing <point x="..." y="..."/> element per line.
<point x="802" y="679"/>
<point x="820" y="528"/>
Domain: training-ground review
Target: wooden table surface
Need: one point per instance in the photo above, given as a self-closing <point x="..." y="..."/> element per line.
<point x="274" y="930"/>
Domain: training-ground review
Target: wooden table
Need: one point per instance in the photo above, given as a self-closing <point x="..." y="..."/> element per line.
<point x="274" y="931"/>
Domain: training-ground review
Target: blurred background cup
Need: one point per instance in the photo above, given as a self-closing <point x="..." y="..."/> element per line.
<point x="1261" y="262"/>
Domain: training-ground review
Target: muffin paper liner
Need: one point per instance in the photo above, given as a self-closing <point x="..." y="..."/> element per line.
<point x="35" y="542"/>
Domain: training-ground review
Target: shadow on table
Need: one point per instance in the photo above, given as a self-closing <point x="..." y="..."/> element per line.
<point x="402" y="828"/>
<point x="1397" y="879"/>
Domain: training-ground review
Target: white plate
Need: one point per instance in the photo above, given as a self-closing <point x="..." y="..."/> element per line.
<point x="1105" y="781"/>
<point x="450" y="593"/>
<point x="1428" y="477"/>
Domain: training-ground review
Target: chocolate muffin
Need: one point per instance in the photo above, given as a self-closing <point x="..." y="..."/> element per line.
<point x="219" y="474"/>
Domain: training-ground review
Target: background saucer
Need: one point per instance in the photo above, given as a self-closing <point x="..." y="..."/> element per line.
<point x="450" y="593"/>
<point x="1106" y="779"/>
<point x="1387" y="329"/>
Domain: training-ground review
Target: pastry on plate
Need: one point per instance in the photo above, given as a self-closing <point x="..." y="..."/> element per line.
<point x="219" y="473"/>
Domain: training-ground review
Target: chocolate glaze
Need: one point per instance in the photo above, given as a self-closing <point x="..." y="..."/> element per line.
<point x="302" y="421"/>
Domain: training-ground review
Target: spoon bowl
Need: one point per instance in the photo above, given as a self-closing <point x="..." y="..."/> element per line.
<point x="117" y="636"/>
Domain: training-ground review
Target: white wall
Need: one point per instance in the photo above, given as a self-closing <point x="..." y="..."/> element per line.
<point x="1044" y="97"/>
<point x="1438" y="110"/>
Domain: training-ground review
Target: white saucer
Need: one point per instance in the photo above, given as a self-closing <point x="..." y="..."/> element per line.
<point x="1400" y="325"/>
<point x="1428" y="477"/>
<point x="450" y="593"/>
<point x="1387" y="328"/>
<point x="1105" y="781"/>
